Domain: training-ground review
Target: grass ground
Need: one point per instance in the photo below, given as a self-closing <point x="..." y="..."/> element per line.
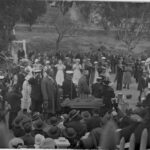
<point x="43" y="38"/>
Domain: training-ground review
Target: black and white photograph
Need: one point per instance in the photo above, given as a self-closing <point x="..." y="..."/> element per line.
<point x="74" y="74"/>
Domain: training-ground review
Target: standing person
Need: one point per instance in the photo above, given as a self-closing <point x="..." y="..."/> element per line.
<point x="60" y="73"/>
<point x="76" y="72"/>
<point x="142" y="84"/>
<point x="107" y="94"/>
<point x="36" y="93"/>
<point x="119" y="76"/>
<point x="94" y="73"/>
<point x="14" y="99"/>
<point x="49" y="92"/>
<point x="127" y="76"/>
<point x="83" y="87"/>
<point x="69" y="90"/>
<point x="26" y="93"/>
<point x="107" y="71"/>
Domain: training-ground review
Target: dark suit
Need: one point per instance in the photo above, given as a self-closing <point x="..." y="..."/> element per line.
<point x="49" y="92"/>
<point x="69" y="90"/>
<point x="97" y="89"/>
<point x="36" y="94"/>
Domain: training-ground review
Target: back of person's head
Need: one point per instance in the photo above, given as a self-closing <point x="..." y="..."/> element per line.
<point x="27" y="128"/>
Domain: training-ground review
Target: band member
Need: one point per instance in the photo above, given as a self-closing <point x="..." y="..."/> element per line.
<point x="76" y="72"/>
<point x="69" y="90"/>
<point x="119" y="76"/>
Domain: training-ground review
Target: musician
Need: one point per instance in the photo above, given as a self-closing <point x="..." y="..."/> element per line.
<point x="36" y="93"/>
<point x="119" y="75"/>
<point x="97" y="88"/>
<point x="69" y="89"/>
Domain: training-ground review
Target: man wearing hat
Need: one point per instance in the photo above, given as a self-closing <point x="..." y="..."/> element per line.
<point x="54" y="132"/>
<point x="38" y="128"/>
<point x="36" y="93"/>
<point x="97" y="88"/>
<point x="74" y="122"/>
<point x="69" y="90"/>
<point x="71" y="135"/>
<point x="49" y="92"/>
<point x="142" y="83"/>
<point x="83" y="87"/>
<point x="107" y="94"/>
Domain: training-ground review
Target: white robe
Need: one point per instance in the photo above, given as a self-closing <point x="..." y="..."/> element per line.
<point x="26" y="99"/>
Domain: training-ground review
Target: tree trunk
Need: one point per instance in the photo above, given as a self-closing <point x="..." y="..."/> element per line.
<point x="58" y="41"/>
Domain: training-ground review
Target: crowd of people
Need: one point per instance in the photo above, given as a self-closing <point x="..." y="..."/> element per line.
<point x="32" y="92"/>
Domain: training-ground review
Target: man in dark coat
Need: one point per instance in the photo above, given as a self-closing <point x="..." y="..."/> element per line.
<point x="119" y="76"/>
<point x="14" y="99"/>
<point x="97" y="88"/>
<point x="83" y="87"/>
<point x="21" y="54"/>
<point x="142" y="84"/>
<point x="69" y="90"/>
<point x="36" y="93"/>
<point x="107" y="94"/>
<point x="49" y="92"/>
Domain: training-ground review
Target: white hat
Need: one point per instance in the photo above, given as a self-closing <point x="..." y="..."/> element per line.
<point x="95" y="62"/>
<point x="39" y="139"/>
<point x="36" y="60"/>
<point x="69" y="72"/>
<point x="103" y="58"/>
<point x="47" y="62"/>
<point x="36" y="70"/>
<point x="78" y="60"/>
<point x="1" y="77"/>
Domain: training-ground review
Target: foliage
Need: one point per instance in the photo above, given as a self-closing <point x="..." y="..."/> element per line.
<point x="128" y="19"/>
<point x="9" y="14"/>
<point x="32" y="10"/>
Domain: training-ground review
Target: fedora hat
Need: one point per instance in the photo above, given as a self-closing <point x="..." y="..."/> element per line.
<point x="54" y="132"/>
<point x="38" y="124"/>
<point x="73" y="113"/>
<point x="69" y="133"/>
<point x="53" y="121"/>
<point x="85" y="115"/>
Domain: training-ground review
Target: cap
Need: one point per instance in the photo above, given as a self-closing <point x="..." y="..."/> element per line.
<point x="69" y="72"/>
<point x="47" y="62"/>
<point x="36" y="60"/>
<point x="103" y="58"/>
<point x="1" y="77"/>
<point x="95" y="62"/>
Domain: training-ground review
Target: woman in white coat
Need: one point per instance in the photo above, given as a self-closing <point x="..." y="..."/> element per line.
<point x="60" y="73"/>
<point x="76" y="72"/>
<point x="26" y="92"/>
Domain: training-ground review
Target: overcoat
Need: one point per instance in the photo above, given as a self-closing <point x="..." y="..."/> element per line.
<point x="49" y="92"/>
